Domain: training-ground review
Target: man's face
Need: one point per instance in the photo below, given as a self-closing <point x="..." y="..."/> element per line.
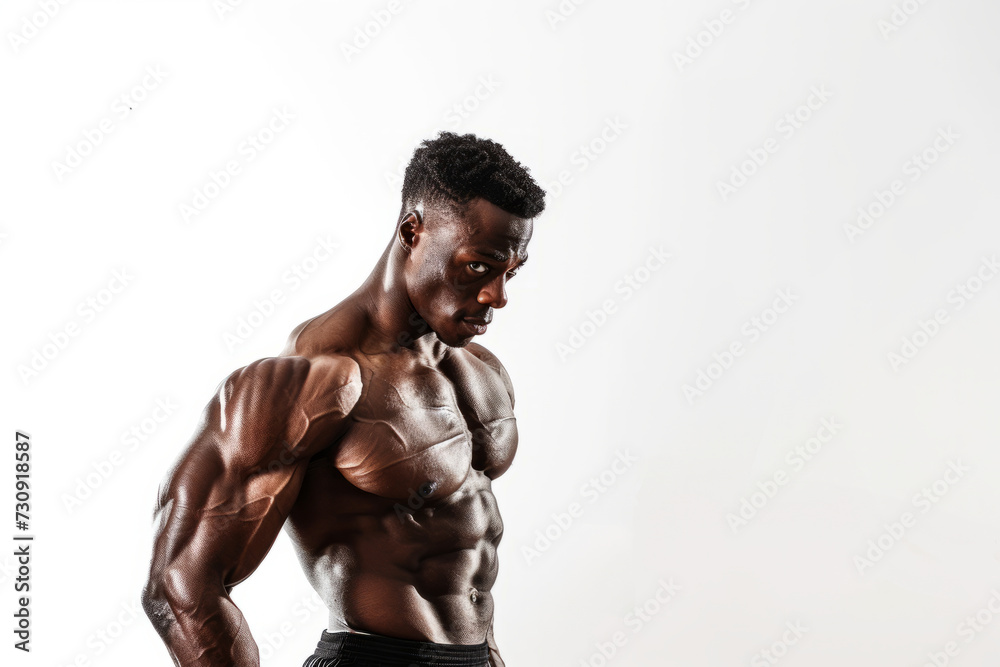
<point x="458" y="267"/>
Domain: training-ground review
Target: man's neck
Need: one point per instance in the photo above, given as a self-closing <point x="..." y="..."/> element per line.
<point x="394" y="320"/>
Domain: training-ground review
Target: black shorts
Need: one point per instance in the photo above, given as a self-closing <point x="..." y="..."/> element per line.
<point x="343" y="649"/>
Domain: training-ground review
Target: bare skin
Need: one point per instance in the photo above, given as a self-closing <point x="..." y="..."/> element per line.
<point x="373" y="440"/>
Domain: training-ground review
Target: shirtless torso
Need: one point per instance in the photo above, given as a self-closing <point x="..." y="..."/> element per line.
<point x="396" y="524"/>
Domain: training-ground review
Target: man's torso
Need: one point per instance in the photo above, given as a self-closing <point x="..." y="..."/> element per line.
<point x="396" y="524"/>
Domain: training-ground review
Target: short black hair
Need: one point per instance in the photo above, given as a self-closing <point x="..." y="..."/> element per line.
<point x="455" y="169"/>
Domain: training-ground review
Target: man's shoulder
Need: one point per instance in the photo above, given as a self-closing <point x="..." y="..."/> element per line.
<point x="484" y="355"/>
<point x="310" y="371"/>
<point x="336" y="332"/>
<point x="333" y="383"/>
<point x="491" y="361"/>
<point x="317" y="383"/>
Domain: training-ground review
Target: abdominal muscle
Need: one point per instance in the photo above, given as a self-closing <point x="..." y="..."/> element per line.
<point x="418" y="569"/>
<point x="395" y="608"/>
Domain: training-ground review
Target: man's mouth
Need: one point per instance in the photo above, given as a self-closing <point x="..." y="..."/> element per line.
<point x="477" y="324"/>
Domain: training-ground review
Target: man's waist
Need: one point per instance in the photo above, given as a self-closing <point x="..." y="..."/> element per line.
<point x="385" y="650"/>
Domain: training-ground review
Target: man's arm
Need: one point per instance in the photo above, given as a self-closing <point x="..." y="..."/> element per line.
<point x="495" y="659"/>
<point x="225" y="501"/>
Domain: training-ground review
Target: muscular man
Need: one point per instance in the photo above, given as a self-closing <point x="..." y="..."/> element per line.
<point x="373" y="439"/>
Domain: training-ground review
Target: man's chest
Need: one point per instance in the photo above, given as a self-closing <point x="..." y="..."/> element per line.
<point x="422" y="427"/>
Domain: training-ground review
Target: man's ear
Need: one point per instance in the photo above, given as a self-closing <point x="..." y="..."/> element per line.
<point x="409" y="230"/>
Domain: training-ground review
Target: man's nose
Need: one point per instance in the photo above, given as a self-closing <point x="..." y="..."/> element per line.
<point x="494" y="293"/>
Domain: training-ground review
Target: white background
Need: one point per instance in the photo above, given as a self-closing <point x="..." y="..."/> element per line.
<point x="332" y="172"/>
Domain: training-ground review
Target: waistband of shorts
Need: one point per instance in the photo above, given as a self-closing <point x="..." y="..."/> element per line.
<point x="404" y="652"/>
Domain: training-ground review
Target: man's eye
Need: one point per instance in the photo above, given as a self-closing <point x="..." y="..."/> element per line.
<point x="511" y="273"/>
<point x="478" y="267"/>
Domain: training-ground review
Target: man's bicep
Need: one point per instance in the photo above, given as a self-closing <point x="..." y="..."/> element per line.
<point x="225" y="501"/>
<point x="243" y="432"/>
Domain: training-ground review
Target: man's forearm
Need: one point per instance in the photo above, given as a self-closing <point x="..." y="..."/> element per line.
<point x="495" y="659"/>
<point x="212" y="633"/>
